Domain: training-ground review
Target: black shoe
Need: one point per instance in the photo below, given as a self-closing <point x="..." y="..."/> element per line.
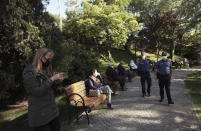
<point x="161" y="100"/>
<point x="123" y="89"/>
<point x="143" y="95"/>
<point x="114" y="94"/>
<point x="171" y="102"/>
<point x="109" y="106"/>
<point x="148" y="95"/>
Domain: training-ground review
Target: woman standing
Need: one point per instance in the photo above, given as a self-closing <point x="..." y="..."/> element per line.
<point x="43" y="112"/>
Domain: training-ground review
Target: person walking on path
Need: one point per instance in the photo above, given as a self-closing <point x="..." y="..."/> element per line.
<point x="144" y="68"/>
<point x="95" y="86"/>
<point x="163" y="74"/>
<point x="43" y="112"/>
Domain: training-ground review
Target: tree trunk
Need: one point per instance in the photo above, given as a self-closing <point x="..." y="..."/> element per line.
<point x="157" y="50"/>
<point x="109" y="54"/>
<point x="135" y="52"/>
<point x="172" y="50"/>
<point x="126" y="47"/>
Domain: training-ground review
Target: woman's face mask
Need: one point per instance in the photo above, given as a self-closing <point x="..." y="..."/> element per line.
<point x="46" y="64"/>
<point x="47" y="59"/>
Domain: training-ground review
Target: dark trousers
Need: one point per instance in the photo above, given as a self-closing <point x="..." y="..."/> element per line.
<point x="128" y="73"/>
<point x="145" y="76"/>
<point x="121" y="81"/>
<point x="164" y="82"/>
<point x="54" y="125"/>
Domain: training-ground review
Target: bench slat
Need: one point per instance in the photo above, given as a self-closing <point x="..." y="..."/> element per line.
<point x="79" y="88"/>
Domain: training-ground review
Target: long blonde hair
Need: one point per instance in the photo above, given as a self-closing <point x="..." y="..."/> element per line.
<point x="37" y="63"/>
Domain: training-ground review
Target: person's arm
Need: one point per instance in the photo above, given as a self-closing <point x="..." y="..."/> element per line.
<point x="100" y="78"/>
<point x="170" y="70"/>
<point x="34" y="86"/>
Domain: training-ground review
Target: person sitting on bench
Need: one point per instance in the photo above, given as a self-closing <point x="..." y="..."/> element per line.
<point x="123" y="72"/>
<point x="113" y="75"/>
<point x="95" y="86"/>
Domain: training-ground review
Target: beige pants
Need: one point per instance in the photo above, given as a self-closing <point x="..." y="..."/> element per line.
<point x="104" y="90"/>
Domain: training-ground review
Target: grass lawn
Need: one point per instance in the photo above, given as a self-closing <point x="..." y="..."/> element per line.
<point x="17" y="119"/>
<point x="122" y="55"/>
<point x="193" y="84"/>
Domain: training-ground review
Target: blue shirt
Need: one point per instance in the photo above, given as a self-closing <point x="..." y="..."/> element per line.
<point x="144" y="65"/>
<point x="164" y="67"/>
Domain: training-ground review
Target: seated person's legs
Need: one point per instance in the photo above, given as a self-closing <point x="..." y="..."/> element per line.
<point x="129" y="74"/>
<point x="121" y="81"/>
<point x="106" y="90"/>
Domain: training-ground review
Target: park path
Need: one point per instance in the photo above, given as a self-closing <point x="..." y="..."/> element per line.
<point x="134" y="113"/>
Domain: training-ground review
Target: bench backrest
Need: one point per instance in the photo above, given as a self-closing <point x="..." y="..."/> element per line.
<point x="105" y="78"/>
<point x="78" y="87"/>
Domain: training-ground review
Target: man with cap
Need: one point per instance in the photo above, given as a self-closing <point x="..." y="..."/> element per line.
<point x="144" y="68"/>
<point x="113" y="75"/>
<point x="163" y="74"/>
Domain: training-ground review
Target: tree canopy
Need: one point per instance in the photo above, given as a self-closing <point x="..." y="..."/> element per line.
<point x="101" y="22"/>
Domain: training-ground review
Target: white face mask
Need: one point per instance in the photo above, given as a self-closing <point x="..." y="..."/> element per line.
<point x="164" y="57"/>
<point x="143" y="57"/>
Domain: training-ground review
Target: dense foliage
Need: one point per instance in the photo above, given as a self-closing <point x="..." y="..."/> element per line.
<point x="24" y="28"/>
<point x="101" y="22"/>
<point x="166" y="23"/>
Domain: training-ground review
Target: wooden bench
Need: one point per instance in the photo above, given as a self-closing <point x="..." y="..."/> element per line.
<point x="78" y="101"/>
<point x="108" y="81"/>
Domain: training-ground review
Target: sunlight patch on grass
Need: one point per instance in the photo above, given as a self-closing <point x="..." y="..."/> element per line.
<point x="122" y="55"/>
<point x="193" y="84"/>
<point x="9" y="115"/>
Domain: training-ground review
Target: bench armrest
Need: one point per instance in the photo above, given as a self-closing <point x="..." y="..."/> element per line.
<point x="81" y="100"/>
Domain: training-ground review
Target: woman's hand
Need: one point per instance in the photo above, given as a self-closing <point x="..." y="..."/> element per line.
<point x="59" y="77"/>
<point x="98" y="74"/>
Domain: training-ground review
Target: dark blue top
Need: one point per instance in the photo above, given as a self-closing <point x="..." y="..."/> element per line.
<point x="164" y="67"/>
<point x="110" y="72"/>
<point x="121" y="69"/>
<point x="144" y="65"/>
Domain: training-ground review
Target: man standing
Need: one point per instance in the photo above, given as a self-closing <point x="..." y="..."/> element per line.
<point x="164" y="73"/>
<point x="144" y="68"/>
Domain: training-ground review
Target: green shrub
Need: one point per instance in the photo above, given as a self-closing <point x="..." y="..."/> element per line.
<point x="77" y="61"/>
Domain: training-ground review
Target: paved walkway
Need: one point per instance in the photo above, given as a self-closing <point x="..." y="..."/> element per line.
<point x="134" y="113"/>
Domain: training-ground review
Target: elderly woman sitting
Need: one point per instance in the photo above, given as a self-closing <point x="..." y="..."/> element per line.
<point x="95" y="86"/>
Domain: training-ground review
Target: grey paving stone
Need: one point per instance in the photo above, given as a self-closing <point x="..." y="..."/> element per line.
<point x="134" y="113"/>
